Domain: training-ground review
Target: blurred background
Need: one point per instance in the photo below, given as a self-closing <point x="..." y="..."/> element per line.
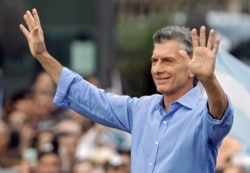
<point x="111" y="40"/>
<point x="106" y="37"/>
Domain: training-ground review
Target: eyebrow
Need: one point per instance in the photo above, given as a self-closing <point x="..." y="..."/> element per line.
<point x="164" y="58"/>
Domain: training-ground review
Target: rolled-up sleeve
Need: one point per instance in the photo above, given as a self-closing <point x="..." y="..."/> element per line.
<point x="67" y="77"/>
<point x="219" y="128"/>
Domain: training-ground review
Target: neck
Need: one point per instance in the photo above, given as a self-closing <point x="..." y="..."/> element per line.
<point x="174" y="96"/>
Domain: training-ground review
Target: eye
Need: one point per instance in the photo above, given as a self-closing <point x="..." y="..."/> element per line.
<point x="167" y="60"/>
<point x="153" y="60"/>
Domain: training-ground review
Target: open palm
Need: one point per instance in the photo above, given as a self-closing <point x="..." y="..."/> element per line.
<point x="202" y="63"/>
<point x="34" y="33"/>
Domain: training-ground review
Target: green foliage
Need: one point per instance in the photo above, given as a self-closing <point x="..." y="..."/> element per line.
<point x="135" y="49"/>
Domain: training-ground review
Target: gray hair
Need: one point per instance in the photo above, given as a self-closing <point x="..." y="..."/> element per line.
<point x="181" y="34"/>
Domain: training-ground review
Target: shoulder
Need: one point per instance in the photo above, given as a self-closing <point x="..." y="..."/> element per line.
<point x="147" y="100"/>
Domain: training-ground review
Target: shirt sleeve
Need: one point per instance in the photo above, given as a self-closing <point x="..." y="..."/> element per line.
<point x="219" y="128"/>
<point x="105" y="108"/>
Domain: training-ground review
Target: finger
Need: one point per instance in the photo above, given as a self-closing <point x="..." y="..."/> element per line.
<point x="203" y="36"/>
<point x="194" y="38"/>
<point x="36" y="18"/>
<point x="30" y="20"/>
<point x="27" y="21"/>
<point x="210" y="41"/>
<point x="24" y="31"/>
<point x="216" y="46"/>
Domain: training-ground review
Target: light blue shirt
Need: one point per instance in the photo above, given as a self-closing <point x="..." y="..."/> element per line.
<point x="184" y="140"/>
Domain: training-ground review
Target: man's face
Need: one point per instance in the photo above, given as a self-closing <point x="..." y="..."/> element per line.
<point x="169" y="69"/>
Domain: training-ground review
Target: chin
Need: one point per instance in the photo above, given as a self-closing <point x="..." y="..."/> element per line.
<point x="161" y="90"/>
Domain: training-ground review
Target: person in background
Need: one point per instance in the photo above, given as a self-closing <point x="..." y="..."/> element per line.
<point x="49" y="160"/>
<point x="20" y="100"/>
<point x="87" y="166"/>
<point x="43" y="90"/>
<point x="228" y="149"/>
<point x="9" y="157"/>
<point x="177" y="130"/>
<point x="234" y="169"/>
<point x="67" y="133"/>
<point x="46" y="113"/>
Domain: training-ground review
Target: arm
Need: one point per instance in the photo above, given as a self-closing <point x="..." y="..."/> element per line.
<point x="217" y="99"/>
<point x="202" y="65"/>
<point x="35" y="38"/>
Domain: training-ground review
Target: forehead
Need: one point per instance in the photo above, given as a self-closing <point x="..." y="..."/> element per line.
<point x="166" y="48"/>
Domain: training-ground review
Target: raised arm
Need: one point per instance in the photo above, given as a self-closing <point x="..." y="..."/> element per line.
<point x="202" y="65"/>
<point x="35" y="37"/>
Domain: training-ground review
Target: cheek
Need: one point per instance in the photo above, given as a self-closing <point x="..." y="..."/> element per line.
<point x="173" y="70"/>
<point x="181" y="68"/>
<point x="179" y="73"/>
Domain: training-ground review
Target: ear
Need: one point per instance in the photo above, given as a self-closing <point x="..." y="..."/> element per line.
<point x="191" y="75"/>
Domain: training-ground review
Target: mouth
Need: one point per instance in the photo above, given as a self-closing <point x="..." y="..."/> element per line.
<point x="161" y="80"/>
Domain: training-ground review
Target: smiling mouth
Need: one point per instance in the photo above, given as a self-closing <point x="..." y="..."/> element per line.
<point x="161" y="80"/>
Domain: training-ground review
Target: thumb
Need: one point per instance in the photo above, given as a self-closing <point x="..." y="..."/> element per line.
<point x="187" y="59"/>
<point x="184" y="55"/>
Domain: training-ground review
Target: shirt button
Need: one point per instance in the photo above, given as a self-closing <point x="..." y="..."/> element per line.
<point x="156" y="142"/>
<point x="150" y="164"/>
<point x="164" y="122"/>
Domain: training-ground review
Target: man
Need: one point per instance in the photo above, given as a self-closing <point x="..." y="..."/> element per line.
<point x="178" y="131"/>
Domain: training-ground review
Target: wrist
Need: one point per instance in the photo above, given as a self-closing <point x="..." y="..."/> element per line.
<point x="207" y="79"/>
<point x="42" y="56"/>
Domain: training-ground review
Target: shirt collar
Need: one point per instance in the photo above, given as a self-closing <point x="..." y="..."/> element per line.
<point x="191" y="98"/>
<point x="188" y="100"/>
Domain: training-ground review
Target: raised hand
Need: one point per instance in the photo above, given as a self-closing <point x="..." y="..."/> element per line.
<point x="35" y="37"/>
<point x="202" y="63"/>
<point x="33" y="33"/>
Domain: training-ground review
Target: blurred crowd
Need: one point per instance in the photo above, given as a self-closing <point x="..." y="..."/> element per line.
<point x="37" y="137"/>
<point x="233" y="157"/>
